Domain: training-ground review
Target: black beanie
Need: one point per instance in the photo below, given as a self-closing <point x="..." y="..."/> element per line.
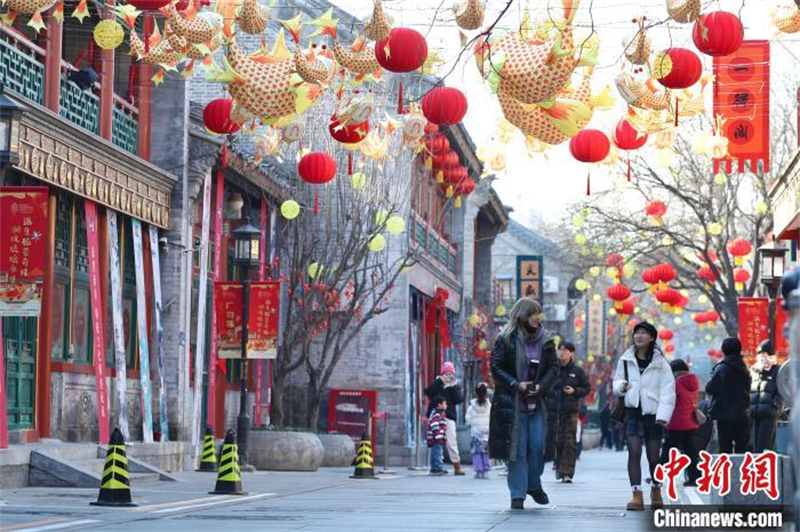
<point x="766" y="347"/>
<point x="732" y="347"/>
<point x="679" y="365"/>
<point x="648" y="327"/>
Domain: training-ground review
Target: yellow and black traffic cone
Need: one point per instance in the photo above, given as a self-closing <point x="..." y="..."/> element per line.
<point x="209" y="460"/>
<point x="229" y="477"/>
<point x="365" y="466"/>
<point x="115" y="487"/>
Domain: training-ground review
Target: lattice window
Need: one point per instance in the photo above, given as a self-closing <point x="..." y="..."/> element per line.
<point x="63" y="239"/>
<point x="21" y="72"/>
<point x="80" y="107"/>
<point x="125" y="131"/>
<point x="81" y="244"/>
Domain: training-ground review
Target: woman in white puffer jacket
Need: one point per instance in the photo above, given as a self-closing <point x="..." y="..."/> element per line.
<point x="477" y="418"/>
<point x="649" y="392"/>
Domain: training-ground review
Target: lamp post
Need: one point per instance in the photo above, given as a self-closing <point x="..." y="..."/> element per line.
<point x="773" y="260"/>
<point x="10" y="117"/>
<point x="246" y="255"/>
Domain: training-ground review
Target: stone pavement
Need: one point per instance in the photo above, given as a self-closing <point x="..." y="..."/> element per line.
<point x="328" y="501"/>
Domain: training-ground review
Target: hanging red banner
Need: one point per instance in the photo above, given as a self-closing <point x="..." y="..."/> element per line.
<point x="3" y="411"/>
<point x="741" y="98"/>
<point x="212" y="354"/>
<point x="754" y="326"/>
<point x="262" y="332"/>
<point x="23" y="219"/>
<point x="228" y="310"/>
<point x="98" y="322"/>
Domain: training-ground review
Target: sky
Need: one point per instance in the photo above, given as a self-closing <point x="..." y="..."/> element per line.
<point x="542" y="187"/>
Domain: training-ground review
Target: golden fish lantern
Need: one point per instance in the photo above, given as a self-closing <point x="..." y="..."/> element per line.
<point x="108" y="34"/>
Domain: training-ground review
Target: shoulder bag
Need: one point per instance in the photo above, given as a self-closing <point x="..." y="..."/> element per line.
<point x="618" y="409"/>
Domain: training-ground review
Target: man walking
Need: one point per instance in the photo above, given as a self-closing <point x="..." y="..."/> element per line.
<point x="729" y="388"/>
<point x="571" y="385"/>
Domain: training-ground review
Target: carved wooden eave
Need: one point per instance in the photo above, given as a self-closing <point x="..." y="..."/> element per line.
<point x="62" y="154"/>
<point x="254" y="174"/>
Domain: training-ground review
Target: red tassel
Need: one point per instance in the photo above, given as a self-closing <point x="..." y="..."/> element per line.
<point x="400" y="99"/>
<point x="316" y="202"/>
<point x="224" y="156"/>
<point x="629" y="168"/>
<point x="676" y="112"/>
<point x="91" y="53"/>
<point x="588" y="183"/>
<point x="148" y="29"/>
<point x="350" y="163"/>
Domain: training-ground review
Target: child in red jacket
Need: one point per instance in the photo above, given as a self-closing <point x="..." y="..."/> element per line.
<point x="683" y="424"/>
<point x="437" y="435"/>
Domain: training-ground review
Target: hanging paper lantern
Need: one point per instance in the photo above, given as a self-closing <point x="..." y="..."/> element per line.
<point x="664" y="273"/>
<point x="500" y="311"/>
<point x="404" y="50"/>
<point x="395" y="225"/>
<point x="700" y="319"/>
<point x="377" y="243"/>
<point x="444" y="106"/>
<point x="668" y="297"/>
<point x="740" y="277"/>
<point x="358" y="180"/>
<point x="347" y="134"/>
<point x="669" y="348"/>
<point x="578" y="322"/>
<point x="290" y="209"/>
<point x="706" y="274"/>
<point x="446" y="159"/>
<point x="589" y="146"/>
<point x="656" y="209"/>
<point x="618" y="293"/>
<point x="615" y="260"/>
<point x="317" y="168"/>
<point x="463" y="188"/>
<point x="626" y="137"/>
<point x="677" y="68"/>
<point x="314" y="269"/>
<point x="651" y="279"/>
<point x="217" y="117"/>
<point x="581" y="285"/>
<point x="739" y="248"/>
<point x="474" y="320"/>
<point x="628" y="307"/>
<point x="718" y="33"/>
<point x="666" y="334"/>
<point x="437" y="143"/>
<point x="108" y="34"/>
<point x="712" y="316"/>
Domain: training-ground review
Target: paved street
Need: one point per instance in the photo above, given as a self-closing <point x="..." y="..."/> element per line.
<point x="329" y="501"/>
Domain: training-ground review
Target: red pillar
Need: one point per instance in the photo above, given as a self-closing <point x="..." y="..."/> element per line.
<point x="45" y="333"/>
<point x="52" y="63"/>
<point x="143" y="75"/>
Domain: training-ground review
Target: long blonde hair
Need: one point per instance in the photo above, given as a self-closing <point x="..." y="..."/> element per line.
<point x="523" y="309"/>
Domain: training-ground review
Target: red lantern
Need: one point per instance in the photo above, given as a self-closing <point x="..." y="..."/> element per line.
<point x="619" y="293"/>
<point x="651" y="279"/>
<point x="455" y="174"/>
<point x="404" y="50"/>
<point x="669" y="348"/>
<point x="677" y="68"/>
<point x="706" y="274"/>
<point x="700" y="319"/>
<point x="444" y="160"/>
<point x="668" y="297"/>
<point x="589" y="146"/>
<point x="628" y="307"/>
<point x="431" y="128"/>
<point x="578" y="322"/>
<point x="437" y="143"/>
<point x="444" y="106"/>
<point x="740" y="277"/>
<point x="347" y="134"/>
<point x="718" y="33"/>
<point x="664" y="273"/>
<point x="465" y="187"/>
<point x="317" y="168"/>
<point x="712" y="316"/>
<point x="615" y="260"/>
<point x="739" y="248"/>
<point x="217" y="117"/>
<point x="666" y="334"/>
<point x="657" y="209"/>
<point x="148" y="5"/>
<point x="627" y="138"/>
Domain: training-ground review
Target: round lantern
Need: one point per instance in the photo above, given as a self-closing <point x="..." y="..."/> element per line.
<point x="712" y="316"/>
<point x="217" y="117"/>
<point x="626" y="137"/>
<point x="668" y="297"/>
<point x="377" y="243"/>
<point x="666" y="334"/>
<point x="740" y="277"/>
<point x="651" y="279"/>
<point x="358" y="180"/>
<point x="718" y="33"/>
<point x="700" y="319"/>
<point x="589" y="146"/>
<point x="437" y="143"/>
<point x="669" y="348"/>
<point x="108" y="34"/>
<point x="739" y="248"/>
<point x="706" y="274"/>
<point x="447" y="159"/>
<point x="444" y="106"/>
<point x="664" y="273"/>
<point x="395" y="225"/>
<point x="618" y="293"/>
<point x="290" y="209"/>
<point x="628" y="307"/>
<point x="404" y="50"/>
<point x="465" y="187"/>
<point x="347" y="134"/>
<point x="454" y="175"/>
<point x="656" y="209"/>
<point x="317" y="168"/>
<point x="677" y="68"/>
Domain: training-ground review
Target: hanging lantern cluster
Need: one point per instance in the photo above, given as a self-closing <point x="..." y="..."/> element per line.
<point x="739" y="248"/>
<point x="706" y="319"/>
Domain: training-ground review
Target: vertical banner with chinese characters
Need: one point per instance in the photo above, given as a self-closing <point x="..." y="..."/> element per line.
<point x="530" y="277"/>
<point x="159" y="328"/>
<point x="23" y="224"/>
<point x="228" y="309"/>
<point x="212" y="353"/>
<point x="741" y="100"/>
<point x="595" y="327"/>
<point x="262" y="276"/>
<point x="3" y="411"/>
<point x="120" y="360"/>
<point x="141" y="326"/>
<point x="98" y="321"/>
<point x="754" y="326"/>
<point x="262" y="323"/>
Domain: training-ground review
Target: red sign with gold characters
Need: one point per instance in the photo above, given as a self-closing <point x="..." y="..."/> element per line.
<point x="741" y="98"/>
<point x="23" y="231"/>
<point x="262" y="322"/>
<point x="754" y="326"/>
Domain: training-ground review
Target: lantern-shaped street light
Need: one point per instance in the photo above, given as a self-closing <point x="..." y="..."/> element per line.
<point x="246" y="255"/>
<point x="772" y="259"/>
<point x="10" y="118"/>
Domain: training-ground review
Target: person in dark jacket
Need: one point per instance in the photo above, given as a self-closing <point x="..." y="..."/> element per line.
<point x="446" y="385"/>
<point x="524" y="367"/>
<point x="606" y="436"/>
<point x="729" y="388"/>
<point x="571" y="385"/>
<point x="766" y="404"/>
<point x="683" y="424"/>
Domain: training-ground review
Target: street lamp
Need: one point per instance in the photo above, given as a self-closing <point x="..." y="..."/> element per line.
<point x="773" y="261"/>
<point x="246" y="255"/>
<point x="10" y="117"/>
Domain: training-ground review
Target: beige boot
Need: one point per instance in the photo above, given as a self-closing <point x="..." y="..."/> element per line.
<point x="637" y="502"/>
<point x="457" y="467"/>
<point x="655" y="498"/>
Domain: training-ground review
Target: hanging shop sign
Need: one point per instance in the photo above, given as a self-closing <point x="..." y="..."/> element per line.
<point x="228" y="309"/>
<point x="263" y="314"/>
<point x="530" y="277"/>
<point x="23" y="219"/>
<point x="741" y="98"/>
<point x="754" y="326"/>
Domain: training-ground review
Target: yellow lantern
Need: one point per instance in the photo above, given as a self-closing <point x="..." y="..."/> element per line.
<point x="580" y="239"/>
<point x="377" y="243"/>
<point x="597" y="297"/>
<point x="314" y="269"/>
<point x="590" y="358"/>
<point x="628" y="270"/>
<point x="715" y="228"/>
<point x="594" y="271"/>
<point x="358" y="180"/>
<point x="474" y="320"/>
<point x="578" y="221"/>
<point x="483" y="344"/>
<point x="395" y="225"/>
<point x="581" y="285"/>
<point x="500" y="311"/>
<point x="108" y="34"/>
<point x="381" y="217"/>
<point x="290" y="209"/>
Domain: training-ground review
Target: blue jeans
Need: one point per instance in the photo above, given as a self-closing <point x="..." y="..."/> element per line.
<point x="525" y="473"/>
<point x="437" y="457"/>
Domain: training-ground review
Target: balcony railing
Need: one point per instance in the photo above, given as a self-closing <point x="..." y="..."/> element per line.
<point x="22" y="70"/>
<point x="428" y="241"/>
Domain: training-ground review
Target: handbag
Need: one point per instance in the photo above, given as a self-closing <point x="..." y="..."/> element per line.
<point x="700" y="416"/>
<point x="618" y="410"/>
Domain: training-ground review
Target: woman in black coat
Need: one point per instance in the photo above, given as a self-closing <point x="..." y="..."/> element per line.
<point x="766" y="404"/>
<point x="524" y="366"/>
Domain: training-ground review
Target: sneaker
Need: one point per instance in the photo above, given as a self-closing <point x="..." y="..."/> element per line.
<point x="517" y="504"/>
<point x="539" y="496"/>
<point x="567" y="480"/>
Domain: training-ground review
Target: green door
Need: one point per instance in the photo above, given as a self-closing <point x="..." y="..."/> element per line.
<point x="19" y="346"/>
